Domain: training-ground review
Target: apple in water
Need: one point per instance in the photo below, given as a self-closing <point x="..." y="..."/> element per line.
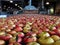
<point x="18" y="29"/>
<point x="46" y="41"/>
<point x="8" y="30"/>
<point x="10" y="44"/>
<point x="21" y="34"/>
<point x="2" y="33"/>
<point x="19" y="40"/>
<point x="27" y="28"/>
<point x="28" y="39"/>
<point x="33" y="43"/>
<point x="44" y="35"/>
<point x="57" y="42"/>
<point x="55" y="37"/>
<point x="12" y="32"/>
<point x="2" y="42"/>
<point x="16" y="43"/>
<point x="12" y="40"/>
<point x="29" y="23"/>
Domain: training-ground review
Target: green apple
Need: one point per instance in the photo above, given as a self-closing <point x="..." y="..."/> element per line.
<point x="33" y="43"/>
<point x="2" y="33"/>
<point x="57" y="43"/>
<point x="27" y="28"/>
<point x="29" y="23"/>
<point x="43" y="35"/>
<point x="46" y="41"/>
<point x="55" y="37"/>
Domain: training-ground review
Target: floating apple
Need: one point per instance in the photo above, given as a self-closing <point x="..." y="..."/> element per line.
<point x="26" y="28"/>
<point x="55" y="37"/>
<point x="2" y="33"/>
<point x="19" y="40"/>
<point x="21" y="34"/>
<point x="43" y="35"/>
<point x="10" y="44"/>
<point x="33" y="43"/>
<point x="46" y="41"/>
<point x="16" y="43"/>
<point x="2" y="42"/>
<point x="57" y="43"/>
<point x="18" y="29"/>
<point x="12" y="40"/>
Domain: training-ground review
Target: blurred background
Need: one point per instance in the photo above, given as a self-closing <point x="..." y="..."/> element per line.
<point x="12" y="7"/>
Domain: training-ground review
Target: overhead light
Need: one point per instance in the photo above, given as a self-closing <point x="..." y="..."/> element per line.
<point x="11" y="1"/>
<point x="16" y="4"/>
<point x="47" y="3"/>
<point x="21" y="8"/>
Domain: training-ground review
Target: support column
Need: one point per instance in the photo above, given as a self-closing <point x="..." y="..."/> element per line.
<point x="43" y="4"/>
<point x="0" y="7"/>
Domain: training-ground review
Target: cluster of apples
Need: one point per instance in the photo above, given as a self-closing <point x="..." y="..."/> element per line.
<point x="30" y="30"/>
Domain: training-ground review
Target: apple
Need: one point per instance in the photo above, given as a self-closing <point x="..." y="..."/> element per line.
<point x="44" y="35"/>
<point x="8" y="30"/>
<point x="57" y="42"/>
<point x="33" y="43"/>
<point x="16" y="43"/>
<point x="27" y="40"/>
<point x="2" y="33"/>
<point x="35" y="31"/>
<point x="12" y="40"/>
<point x="21" y="25"/>
<point x="31" y="34"/>
<point x="12" y="32"/>
<point x="2" y="42"/>
<point x="46" y="41"/>
<point x="29" y="23"/>
<point x="21" y="34"/>
<point x="52" y="27"/>
<point x="19" y="40"/>
<point x="34" y="38"/>
<point x="26" y="28"/>
<point x="7" y="37"/>
<point x="10" y="44"/>
<point x="18" y="29"/>
<point x="52" y="32"/>
<point x="55" y="37"/>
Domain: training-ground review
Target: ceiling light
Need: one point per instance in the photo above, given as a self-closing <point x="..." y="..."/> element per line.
<point x="21" y="8"/>
<point x="16" y="4"/>
<point x="47" y="3"/>
<point x="11" y="1"/>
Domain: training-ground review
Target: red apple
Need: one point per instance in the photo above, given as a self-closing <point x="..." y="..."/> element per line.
<point x="20" y="34"/>
<point x="10" y="44"/>
<point x="18" y="29"/>
<point x="19" y="40"/>
<point x="16" y="43"/>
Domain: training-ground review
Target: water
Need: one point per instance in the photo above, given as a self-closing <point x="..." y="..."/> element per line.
<point x="30" y="7"/>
